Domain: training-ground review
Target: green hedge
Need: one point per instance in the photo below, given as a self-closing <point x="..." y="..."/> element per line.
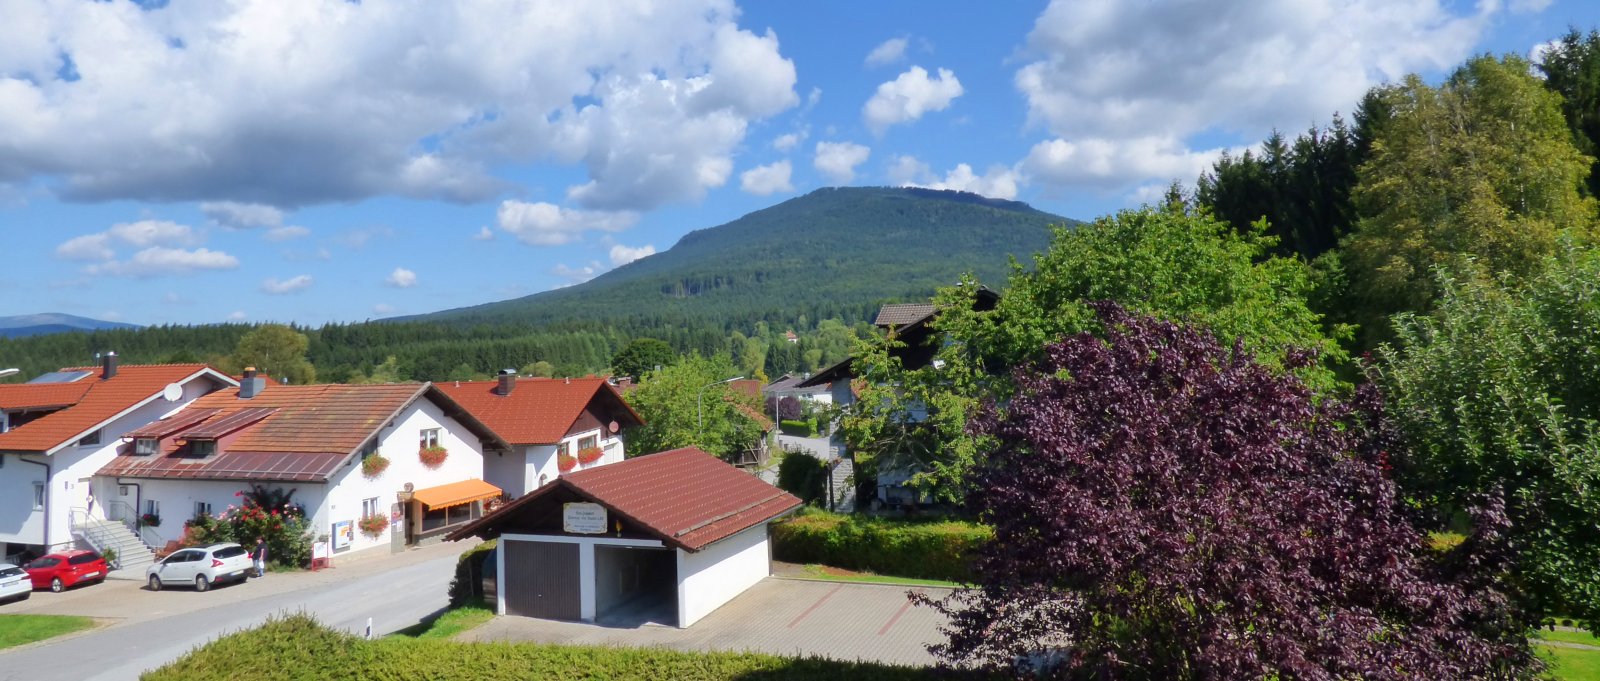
<point x="467" y="585"/>
<point x="297" y="647"/>
<point x="799" y="428"/>
<point x="925" y="549"/>
<point x="804" y="476"/>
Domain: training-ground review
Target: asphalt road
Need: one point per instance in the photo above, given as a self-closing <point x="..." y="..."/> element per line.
<point x="156" y="628"/>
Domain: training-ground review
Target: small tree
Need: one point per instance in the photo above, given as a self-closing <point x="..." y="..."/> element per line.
<point x="1167" y="508"/>
<point x="641" y="356"/>
<point x="687" y="404"/>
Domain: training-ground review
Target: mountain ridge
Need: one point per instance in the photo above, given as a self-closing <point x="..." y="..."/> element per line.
<point x="46" y="323"/>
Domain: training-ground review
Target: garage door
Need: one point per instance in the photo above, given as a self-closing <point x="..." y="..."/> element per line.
<point x="542" y="580"/>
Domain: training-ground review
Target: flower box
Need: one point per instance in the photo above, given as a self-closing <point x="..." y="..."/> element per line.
<point x="566" y="462"/>
<point x="374" y="466"/>
<point x="433" y="457"/>
<point x="590" y="455"/>
<point x="374" y="526"/>
<point x="150" y="520"/>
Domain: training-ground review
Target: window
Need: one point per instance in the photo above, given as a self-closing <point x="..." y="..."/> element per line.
<point x="38" y="496"/>
<point x="83" y="558"/>
<point x="430" y="438"/>
<point x="202" y="448"/>
<point x="152" y="507"/>
<point x="122" y="490"/>
<point x="229" y="552"/>
<point x="588" y="442"/>
<point x="564" y="448"/>
<point x="44" y="562"/>
<point x="369" y="448"/>
<point x="90" y="439"/>
<point x="369" y="507"/>
<point x="144" y="446"/>
<point x="436" y="518"/>
<point x="202" y="508"/>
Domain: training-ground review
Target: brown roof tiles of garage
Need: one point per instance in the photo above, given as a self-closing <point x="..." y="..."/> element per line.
<point x="686" y="497"/>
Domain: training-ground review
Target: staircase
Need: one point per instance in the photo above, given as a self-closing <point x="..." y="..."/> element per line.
<point x="843" y="485"/>
<point x="132" y="554"/>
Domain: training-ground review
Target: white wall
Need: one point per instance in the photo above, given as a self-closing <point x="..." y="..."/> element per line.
<point x="508" y="471"/>
<point x="72" y="474"/>
<point x="399" y="444"/>
<point x="178" y="497"/>
<point x="716" y="574"/>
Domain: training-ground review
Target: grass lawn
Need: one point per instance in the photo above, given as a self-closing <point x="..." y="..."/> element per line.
<point x="449" y="623"/>
<point x="1571" y="664"/>
<point x="16" y="630"/>
<point x="834" y="574"/>
<point x="297" y="647"/>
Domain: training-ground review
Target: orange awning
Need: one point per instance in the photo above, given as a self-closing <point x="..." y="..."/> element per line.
<point x="456" y="493"/>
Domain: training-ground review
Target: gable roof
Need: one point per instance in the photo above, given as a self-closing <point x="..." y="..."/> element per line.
<point x="685" y="497"/>
<point x="90" y="402"/>
<point x="901" y="314"/>
<point x="539" y="410"/>
<point x="287" y="432"/>
<point x="791" y="384"/>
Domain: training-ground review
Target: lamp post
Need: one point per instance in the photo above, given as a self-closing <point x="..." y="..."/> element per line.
<point x="699" y="408"/>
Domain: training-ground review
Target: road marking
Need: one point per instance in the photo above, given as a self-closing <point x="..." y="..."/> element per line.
<point x="815" y="605"/>
<point x="898" y="614"/>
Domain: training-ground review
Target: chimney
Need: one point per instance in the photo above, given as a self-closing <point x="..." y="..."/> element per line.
<point x="252" y="384"/>
<point x="508" y="382"/>
<point x="108" y="365"/>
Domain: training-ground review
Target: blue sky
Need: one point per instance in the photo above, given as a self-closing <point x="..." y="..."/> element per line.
<point x="296" y="160"/>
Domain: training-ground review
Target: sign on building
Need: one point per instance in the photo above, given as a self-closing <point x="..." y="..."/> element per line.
<point x="583" y="518"/>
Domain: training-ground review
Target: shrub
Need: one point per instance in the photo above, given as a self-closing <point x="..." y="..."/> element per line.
<point x="467" y="585"/>
<point x="589" y="455"/>
<point x="566" y="462"/>
<point x="433" y="457"/>
<point x="788" y="407"/>
<point x="799" y="428"/>
<point x="804" y="476"/>
<point x="284" y="527"/>
<point x="374" y="525"/>
<point x="925" y="549"/>
<point x="374" y="465"/>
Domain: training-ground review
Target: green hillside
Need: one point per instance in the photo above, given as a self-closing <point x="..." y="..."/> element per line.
<point x="835" y="252"/>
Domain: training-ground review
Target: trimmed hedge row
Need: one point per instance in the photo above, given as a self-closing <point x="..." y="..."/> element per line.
<point x="799" y="427"/>
<point x="924" y="549"/>
<point x="298" y="647"/>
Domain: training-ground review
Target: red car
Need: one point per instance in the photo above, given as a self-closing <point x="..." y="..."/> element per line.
<point x="60" y="570"/>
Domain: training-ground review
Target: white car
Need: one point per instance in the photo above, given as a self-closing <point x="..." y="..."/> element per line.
<point x="14" y="583"/>
<point x="201" y="567"/>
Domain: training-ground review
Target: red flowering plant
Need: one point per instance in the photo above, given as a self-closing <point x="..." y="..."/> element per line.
<point x="374" y="525"/>
<point x="589" y="455"/>
<point x="566" y="462"/>
<point x="433" y="457"/>
<point x="374" y="465"/>
<point x="262" y="513"/>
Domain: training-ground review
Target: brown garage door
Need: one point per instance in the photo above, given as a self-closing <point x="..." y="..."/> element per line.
<point x="542" y="580"/>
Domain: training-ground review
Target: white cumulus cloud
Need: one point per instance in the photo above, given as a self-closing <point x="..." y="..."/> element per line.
<point x="888" y="52"/>
<point x="837" y="161"/>
<point x="162" y="261"/>
<point x="998" y="182"/>
<point x="273" y="286"/>
<point x="622" y="255"/>
<point x="401" y="278"/>
<point x="484" y="234"/>
<point x="143" y="233"/>
<point x="546" y="224"/>
<point x="576" y="275"/>
<point x="767" y="180"/>
<point x="909" y="96"/>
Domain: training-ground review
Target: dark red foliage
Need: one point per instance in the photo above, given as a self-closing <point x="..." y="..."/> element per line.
<point x="1166" y="508"/>
<point x="787" y="407"/>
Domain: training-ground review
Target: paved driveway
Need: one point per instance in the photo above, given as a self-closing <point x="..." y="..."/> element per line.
<point x="779" y="616"/>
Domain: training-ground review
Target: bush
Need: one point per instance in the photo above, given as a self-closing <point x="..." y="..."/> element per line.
<point x="285" y="528"/>
<point x="467" y="585"/>
<point x="799" y="428"/>
<point x="804" y="476"/>
<point x="924" y="549"/>
<point x="298" y="647"/>
<point x="787" y="408"/>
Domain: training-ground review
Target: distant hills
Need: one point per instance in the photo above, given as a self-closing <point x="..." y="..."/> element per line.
<point x="45" y="323"/>
<point x="834" y="252"/>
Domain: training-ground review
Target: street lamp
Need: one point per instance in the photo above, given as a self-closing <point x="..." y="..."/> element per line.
<point x="699" y="409"/>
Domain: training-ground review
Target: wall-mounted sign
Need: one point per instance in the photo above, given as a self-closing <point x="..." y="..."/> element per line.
<point x="583" y="518"/>
<point x="343" y="534"/>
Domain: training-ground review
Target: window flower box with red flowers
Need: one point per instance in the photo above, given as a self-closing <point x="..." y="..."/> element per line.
<point x="374" y="465"/>
<point x="589" y="455"/>
<point x="566" y="462"/>
<point x="433" y="457"/>
<point x="374" y="525"/>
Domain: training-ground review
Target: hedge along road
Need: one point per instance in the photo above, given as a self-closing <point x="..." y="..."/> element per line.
<point x="152" y="629"/>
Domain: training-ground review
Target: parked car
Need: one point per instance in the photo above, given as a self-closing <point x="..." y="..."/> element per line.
<point x="14" y="583"/>
<point x="65" y="569"/>
<point x="201" y="567"/>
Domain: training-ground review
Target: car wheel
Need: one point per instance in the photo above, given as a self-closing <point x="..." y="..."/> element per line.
<point x="56" y="586"/>
<point x="201" y="583"/>
<point x="155" y="583"/>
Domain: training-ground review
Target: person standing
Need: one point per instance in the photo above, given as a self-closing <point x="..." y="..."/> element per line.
<point x="259" y="555"/>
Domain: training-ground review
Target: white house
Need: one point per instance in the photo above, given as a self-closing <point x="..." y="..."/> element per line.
<point x="316" y="441"/>
<point x="548" y="426"/>
<point x="59" y="428"/>
<point x="665" y="538"/>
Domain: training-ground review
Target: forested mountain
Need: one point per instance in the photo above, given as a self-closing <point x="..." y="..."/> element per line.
<point x="816" y="265"/>
<point x="833" y="253"/>
<point x="20" y="326"/>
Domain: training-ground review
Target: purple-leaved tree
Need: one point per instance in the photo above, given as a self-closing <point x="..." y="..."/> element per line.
<point x="1166" y="508"/>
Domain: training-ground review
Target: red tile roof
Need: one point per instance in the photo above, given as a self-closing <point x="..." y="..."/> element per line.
<point x="101" y="401"/>
<point x="686" y="497"/>
<point x="300" y="432"/>
<point x="37" y="395"/>
<point x="538" y="410"/>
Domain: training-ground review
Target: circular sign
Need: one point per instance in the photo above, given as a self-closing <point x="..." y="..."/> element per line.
<point x="613" y="426"/>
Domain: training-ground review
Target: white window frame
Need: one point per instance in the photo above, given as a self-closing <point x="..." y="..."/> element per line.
<point x="152" y="507"/>
<point x="38" y="496"/>
<point x="92" y="439"/>
<point x="429" y="438"/>
<point x="196" y="450"/>
<point x="369" y="507"/>
<point x="146" y="446"/>
<point x="202" y="508"/>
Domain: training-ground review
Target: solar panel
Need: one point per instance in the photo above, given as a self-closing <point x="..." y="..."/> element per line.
<point x="61" y="376"/>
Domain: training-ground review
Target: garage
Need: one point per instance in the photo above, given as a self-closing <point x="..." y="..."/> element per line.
<point x="665" y="538"/>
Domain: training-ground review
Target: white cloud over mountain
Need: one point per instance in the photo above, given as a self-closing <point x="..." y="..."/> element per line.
<point x="546" y="224"/>
<point x="909" y="96"/>
<point x="768" y="179"/>
<point x="837" y="161"/>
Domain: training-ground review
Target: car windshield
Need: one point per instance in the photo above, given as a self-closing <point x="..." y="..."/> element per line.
<point x="229" y="552"/>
